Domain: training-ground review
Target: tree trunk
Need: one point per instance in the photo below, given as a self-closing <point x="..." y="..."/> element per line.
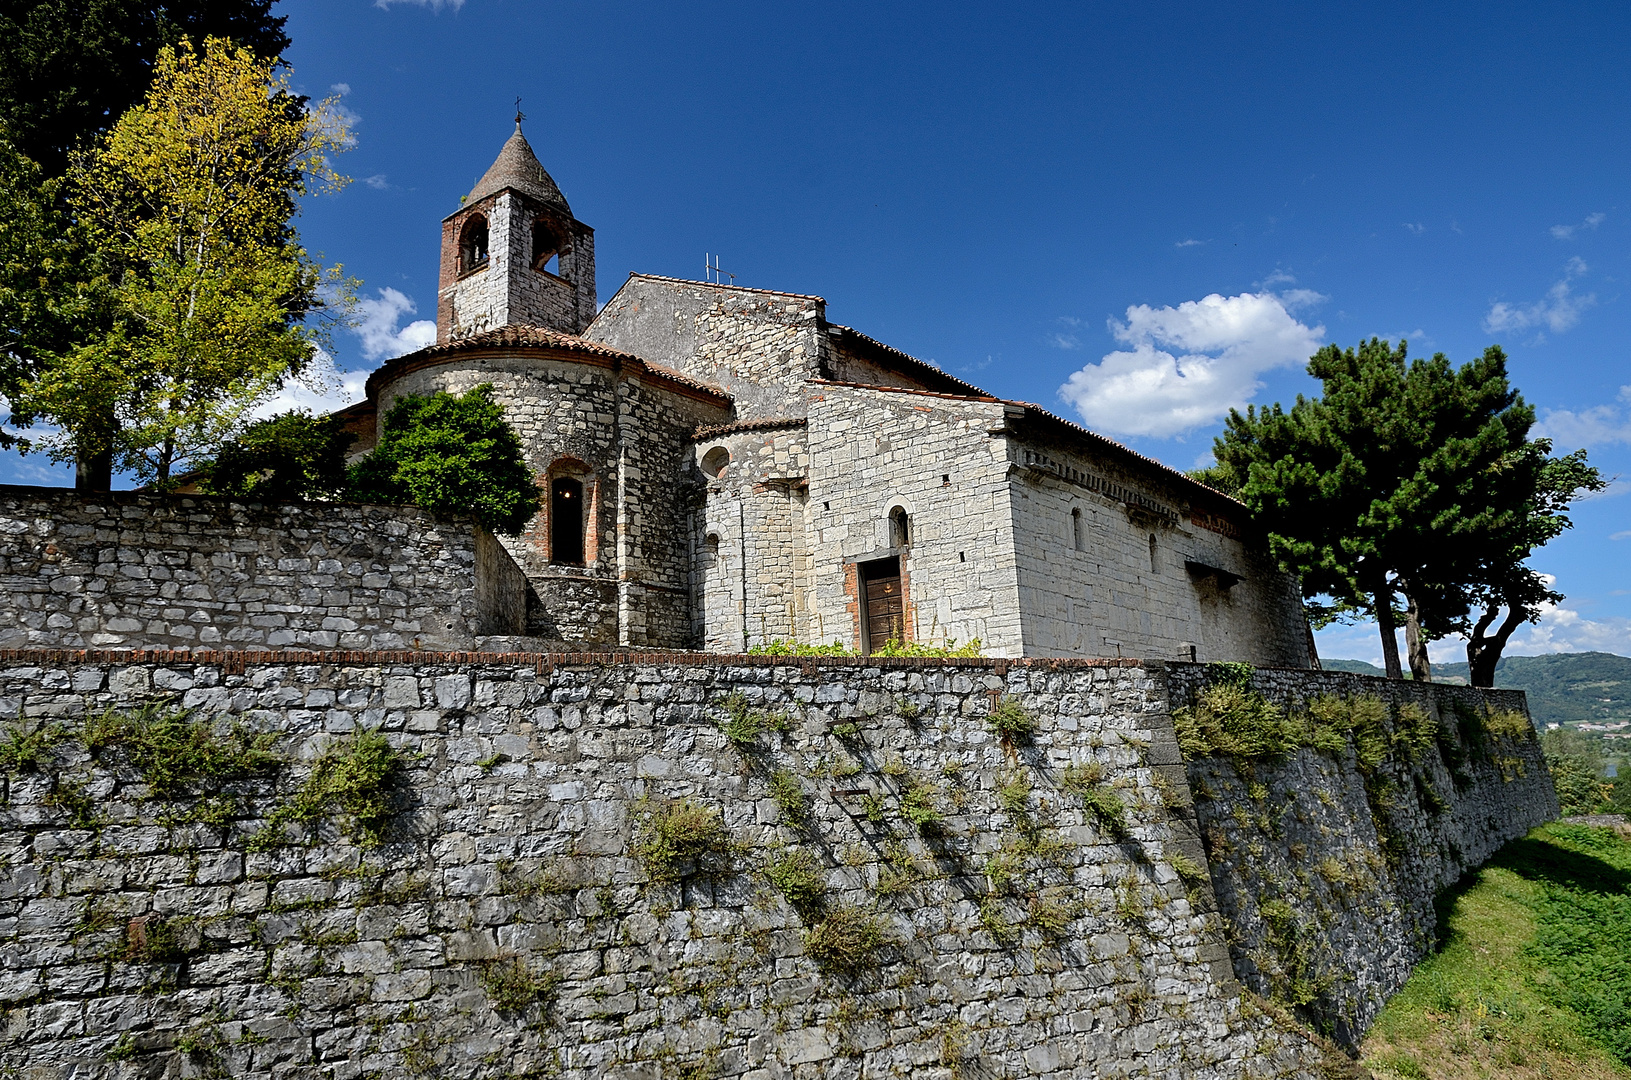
<point x="1483" y="653"/>
<point x="93" y="471"/>
<point x="1420" y="668"/>
<point x="1390" y="643"/>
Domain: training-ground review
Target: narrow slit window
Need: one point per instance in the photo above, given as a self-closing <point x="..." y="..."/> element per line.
<point x="1076" y="530"/>
<point x="566" y="521"/>
<point x="1153" y="568"/>
<point x="900" y="528"/>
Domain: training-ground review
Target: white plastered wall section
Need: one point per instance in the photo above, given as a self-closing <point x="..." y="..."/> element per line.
<point x="933" y="455"/>
<point x="1119" y="595"/>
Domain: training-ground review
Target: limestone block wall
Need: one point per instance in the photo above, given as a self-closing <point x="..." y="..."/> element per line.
<point x="478" y="300"/>
<point x="759" y="345"/>
<point x="629" y="442"/>
<point x="1101" y="575"/>
<point x="514" y="918"/>
<point x="753" y="573"/>
<point x="130" y="569"/>
<point x="1327" y="869"/>
<point x="932" y="455"/>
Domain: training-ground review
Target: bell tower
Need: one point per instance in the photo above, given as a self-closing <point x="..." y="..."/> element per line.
<point x="514" y="254"/>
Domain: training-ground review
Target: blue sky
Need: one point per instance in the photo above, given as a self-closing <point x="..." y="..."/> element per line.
<point x="1042" y="198"/>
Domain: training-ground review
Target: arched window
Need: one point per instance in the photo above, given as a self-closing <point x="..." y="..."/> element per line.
<point x="1076" y="530"/>
<point x="473" y="244"/>
<point x="547" y="243"/>
<point x="900" y="528"/>
<point x="716" y="461"/>
<point x="566" y="521"/>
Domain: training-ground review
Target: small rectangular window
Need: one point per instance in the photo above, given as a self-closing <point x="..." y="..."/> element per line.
<point x="1076" y="531"/>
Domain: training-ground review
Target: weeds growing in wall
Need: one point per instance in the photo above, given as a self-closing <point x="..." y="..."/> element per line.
<point x="684" y="837"/>
<point x="182" y="758"/>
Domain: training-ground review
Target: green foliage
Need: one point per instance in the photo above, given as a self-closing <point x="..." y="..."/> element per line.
<point x="1107" y="809"/>
<point x="919" y="804"/>
<point x="1014" y="792"/>
<point x="289" y="457"/>
<point x="177" y="755"/>
<point x="1190" y="871"/>
<point x="1235" y="722"/>
<point x="1011" y="722"/>
<point x="782" y="647"/>
<point x="65" y="69"/>
<point x="798" y="875"/>
<point x="847" y="940"/>
<point x="1227" y="673"/>
<point x="1413" y="478"/>
<point x="744" y="725"/>
<point x="187" y="202"/>
<point x="513" y="986"/>
<point x="789" y="795"/>
<point x="1052" y="917"/>
<point x="1534" y="977"/>
<point x="1575" y="765"/>
<point x="1080" y="779"/>
<point x="450" y="455"/>
<point x="359" y="776"/>
<point x="683" y="836"/>
<point x="946" y="649"/>
<point x="26" y="749"/>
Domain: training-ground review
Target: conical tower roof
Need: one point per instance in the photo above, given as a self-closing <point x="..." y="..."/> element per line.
<point x="517" y="168"/>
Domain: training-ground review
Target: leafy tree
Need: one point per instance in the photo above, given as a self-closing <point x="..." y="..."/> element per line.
<point x="450" y="455"/>
<point x="188" y="201"/>
<point x="1402" y="481"/>
<point x="70" y="68"/>
<point x="50" y="288"/>
<point x="293" y="455"/>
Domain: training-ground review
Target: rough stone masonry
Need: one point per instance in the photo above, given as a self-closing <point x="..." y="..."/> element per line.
<point x="645" y="866"/>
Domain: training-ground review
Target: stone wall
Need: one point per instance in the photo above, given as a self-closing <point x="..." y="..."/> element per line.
<point x="519" y="918"/>
<point x="760" y="346"/>
<point x="1113" y="563"/>
<point x="932" y="455"/>
<point x="127" y="569"/>
<point x="1327" y="867"/>
<point x="628" y="440"/>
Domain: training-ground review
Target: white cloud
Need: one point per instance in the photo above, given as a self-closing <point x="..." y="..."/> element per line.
<point x="1562" y="629"/>
<point x="321" y="389"/>
<point x="1565" y="232"/>
<point x="377" y="181"/>
<point x="1220" y="347"/>
<point x="1600" y="425"/>
<point x="1623" y="534"/>
<point x="434" y="5"/>
<point x="1189" y="243"/>
<point x="1558" y="312"/>
<point x="1416" y="227"/>
<point x="377" y="326"/>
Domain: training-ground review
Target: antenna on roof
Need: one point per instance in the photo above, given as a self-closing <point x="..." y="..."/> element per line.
<point x="711" y="272"/>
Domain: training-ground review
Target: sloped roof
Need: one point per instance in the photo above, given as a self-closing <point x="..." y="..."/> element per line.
<point x="524" y="336"/>
<point x="517" y="168"/>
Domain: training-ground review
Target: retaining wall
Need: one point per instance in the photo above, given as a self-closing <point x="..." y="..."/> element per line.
<point x="129" y="569"/>
<point x="1327" y="870"/>
<point x="516" y="922"/>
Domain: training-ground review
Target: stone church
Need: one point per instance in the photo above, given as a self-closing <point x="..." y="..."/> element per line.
<point x="724" y="467"/>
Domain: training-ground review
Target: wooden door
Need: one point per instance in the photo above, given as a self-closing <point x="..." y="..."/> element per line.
<point x="885" y="608"/>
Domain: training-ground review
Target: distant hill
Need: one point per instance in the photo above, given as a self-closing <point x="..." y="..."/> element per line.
<point x="1563" y="687"/>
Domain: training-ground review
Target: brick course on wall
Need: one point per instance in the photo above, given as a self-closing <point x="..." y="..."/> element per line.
<point x="138" y="570"/>
<point x="529" y="783"/>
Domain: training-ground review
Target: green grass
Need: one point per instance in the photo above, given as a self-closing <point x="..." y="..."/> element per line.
<point x="1534" y="978"/>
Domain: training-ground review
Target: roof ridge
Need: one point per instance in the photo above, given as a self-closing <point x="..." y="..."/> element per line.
<point x="719" y="285"/>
